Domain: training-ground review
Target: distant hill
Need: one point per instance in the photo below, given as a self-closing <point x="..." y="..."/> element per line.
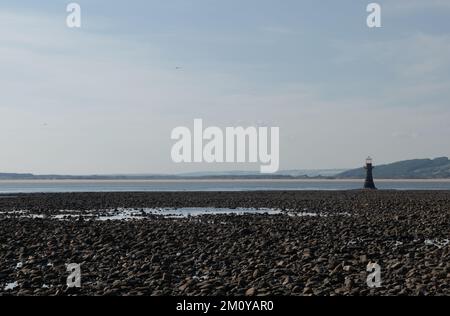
<point x="303" y="173"/>
<point x="21" y="176"/>
<point x="438" y="168"/>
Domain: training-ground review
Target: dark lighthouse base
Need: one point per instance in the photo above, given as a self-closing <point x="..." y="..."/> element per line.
<point x="370" y="185"/>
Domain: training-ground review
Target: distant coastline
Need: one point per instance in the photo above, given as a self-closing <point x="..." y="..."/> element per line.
<point x="205" y="180"/>
<point x="417" y="169"/>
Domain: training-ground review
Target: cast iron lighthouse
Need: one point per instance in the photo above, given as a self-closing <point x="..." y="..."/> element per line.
<point x="369" y="184"/>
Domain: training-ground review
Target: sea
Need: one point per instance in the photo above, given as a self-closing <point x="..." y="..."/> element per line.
<point x="60" y="186"/>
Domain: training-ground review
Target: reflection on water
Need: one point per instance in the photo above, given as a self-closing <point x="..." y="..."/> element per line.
<point x="142" y="213"/>
<point x="11" y="286"/>
<point x="132" y="214"/>
<point x="440" y="243"/>
<point x="121" y="214"/>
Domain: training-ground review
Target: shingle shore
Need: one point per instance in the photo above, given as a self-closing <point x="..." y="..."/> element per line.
<point x="406" y="233"/>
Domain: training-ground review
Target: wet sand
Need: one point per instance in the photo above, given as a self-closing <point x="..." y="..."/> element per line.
<point x="406" y="233"/>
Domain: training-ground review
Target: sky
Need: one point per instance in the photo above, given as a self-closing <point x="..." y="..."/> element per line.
<point x="104" y="98"/>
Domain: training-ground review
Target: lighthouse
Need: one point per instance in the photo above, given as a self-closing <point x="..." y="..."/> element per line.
<point x="369" y="184"/>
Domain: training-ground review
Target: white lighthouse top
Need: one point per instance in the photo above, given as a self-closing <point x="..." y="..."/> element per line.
<point x="369" y="160"/>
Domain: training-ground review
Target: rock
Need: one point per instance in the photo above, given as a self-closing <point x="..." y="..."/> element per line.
<point x="363" y="259"/>
<point x="307" y="290"/>
<point x="287" y="280"/>
<point x="348" y="283"/>
<point x="250" y="292"/>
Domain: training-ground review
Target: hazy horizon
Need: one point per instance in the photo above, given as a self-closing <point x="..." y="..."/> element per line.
<point x="235" y="172"/>
<point x="103" y="99"/>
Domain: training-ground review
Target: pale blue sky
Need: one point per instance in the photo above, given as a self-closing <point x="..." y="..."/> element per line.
<point x="104" y="98"/>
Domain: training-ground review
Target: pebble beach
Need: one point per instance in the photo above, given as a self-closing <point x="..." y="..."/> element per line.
<point x="292" y="243"/>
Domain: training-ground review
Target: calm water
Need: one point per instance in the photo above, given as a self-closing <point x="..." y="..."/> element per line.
<point x="191" y="185"/>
